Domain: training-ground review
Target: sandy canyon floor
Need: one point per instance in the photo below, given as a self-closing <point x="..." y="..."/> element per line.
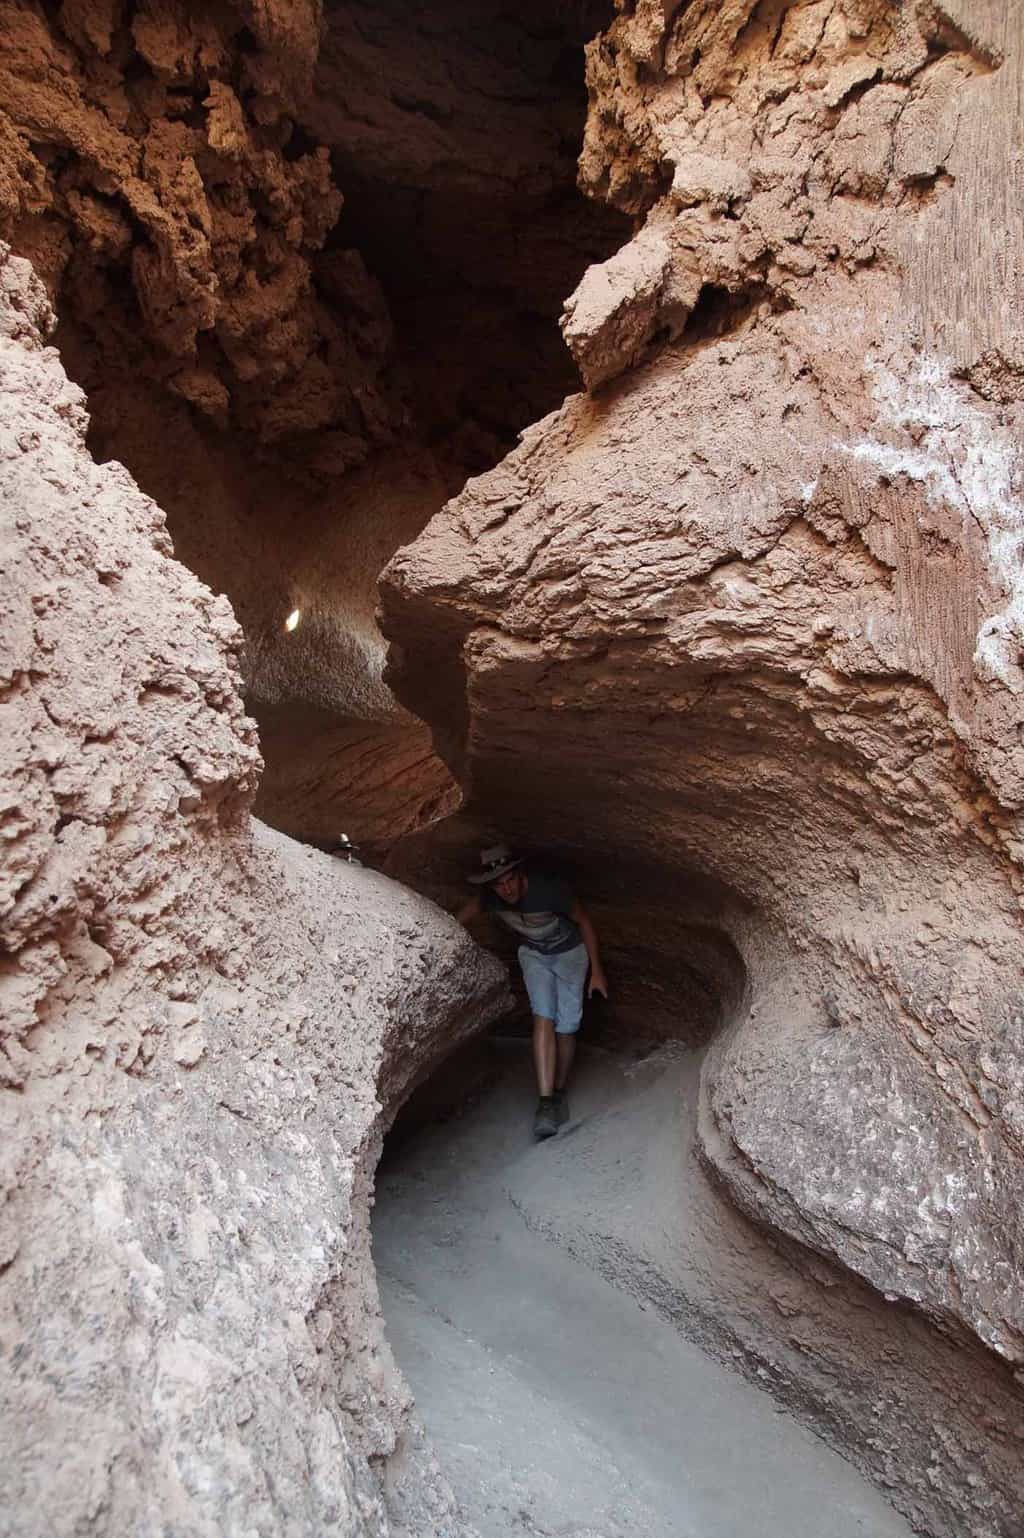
<point x="561" y="1403"/>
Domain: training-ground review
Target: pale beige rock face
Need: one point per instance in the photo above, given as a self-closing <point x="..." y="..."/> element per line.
<point x="155" y="174"/>
<point x="200" y="1023"/>
<point x="747" y="623"/>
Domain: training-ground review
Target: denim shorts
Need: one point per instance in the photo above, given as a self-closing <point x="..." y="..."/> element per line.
<point x="555" y="985"/>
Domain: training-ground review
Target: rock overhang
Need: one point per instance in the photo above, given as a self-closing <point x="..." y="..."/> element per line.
<point x="733" y="612"/>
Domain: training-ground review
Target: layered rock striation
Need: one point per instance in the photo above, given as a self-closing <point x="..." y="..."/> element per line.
<point x="741" y="626"/>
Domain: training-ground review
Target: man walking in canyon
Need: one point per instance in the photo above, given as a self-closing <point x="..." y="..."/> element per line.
<point x="558" y="943"/>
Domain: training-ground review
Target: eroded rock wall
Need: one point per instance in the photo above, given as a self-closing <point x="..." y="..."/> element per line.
<point x="199" y="1025"/>
<point x="238" y="360"/>
<point x="288" y="246"/>
<point x="749" y="611"/>
<point x="155" y="181"/>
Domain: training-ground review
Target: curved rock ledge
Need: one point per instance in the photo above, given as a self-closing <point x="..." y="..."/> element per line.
<point x="749" y="614"/>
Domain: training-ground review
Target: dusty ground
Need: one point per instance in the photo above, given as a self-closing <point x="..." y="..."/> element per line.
<point x="558" y="1403"/>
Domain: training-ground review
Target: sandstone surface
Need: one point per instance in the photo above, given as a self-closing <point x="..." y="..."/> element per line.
<point x="738" y="634"/>
<point x="285" y="244"/>
<point x="202" y="1026"/>
<point x="741" y="629"/>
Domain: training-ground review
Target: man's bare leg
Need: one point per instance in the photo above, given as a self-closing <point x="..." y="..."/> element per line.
<point x="565" y="1050"/>
<point x="544" y="1054"/>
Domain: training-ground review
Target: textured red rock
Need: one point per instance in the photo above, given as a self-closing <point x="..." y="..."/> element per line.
<point x="749" y="618"/>
<point x="174" y="175"/>
<point x="738" y="632"/>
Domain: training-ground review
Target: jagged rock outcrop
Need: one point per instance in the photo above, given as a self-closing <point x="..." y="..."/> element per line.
<point x="239" y="359"/>
<point x="286" y="245"/>
<point x="749" y="615"/>
<point x="200" y="1023"/>
<point x="161" y="193"/>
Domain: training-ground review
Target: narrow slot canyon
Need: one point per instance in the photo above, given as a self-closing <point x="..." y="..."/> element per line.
<point x="590" y="427"/>
<point x="387" y="327"/>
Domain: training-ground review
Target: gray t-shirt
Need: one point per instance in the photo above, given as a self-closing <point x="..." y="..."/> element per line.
<point x="541" y="918"/>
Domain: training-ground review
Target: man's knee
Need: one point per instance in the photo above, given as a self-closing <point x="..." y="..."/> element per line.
<point x="542" y="1025"/>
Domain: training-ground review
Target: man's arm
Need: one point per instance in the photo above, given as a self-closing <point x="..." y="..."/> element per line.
<point x="470" y="911"/>
<point x="598" y="981"/>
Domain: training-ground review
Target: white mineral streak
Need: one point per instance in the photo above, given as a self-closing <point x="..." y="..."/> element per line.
<point x="737" y="596"/>
<point x="929" y="429"/>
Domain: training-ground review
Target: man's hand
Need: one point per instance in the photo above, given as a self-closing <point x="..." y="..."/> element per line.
<point x="598" y="983"/>
<point x="469" y="911"/>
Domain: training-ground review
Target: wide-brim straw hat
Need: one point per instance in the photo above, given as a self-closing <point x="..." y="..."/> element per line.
<point x="494" y="862"/>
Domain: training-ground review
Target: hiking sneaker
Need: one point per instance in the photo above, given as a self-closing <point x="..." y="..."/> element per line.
<point x="561" y="1100"/>
<point x="545" y="1122"/>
